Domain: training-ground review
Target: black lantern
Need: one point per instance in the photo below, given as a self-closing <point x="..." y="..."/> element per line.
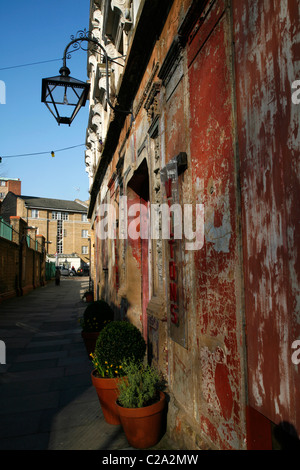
<point x="64" y="95"/>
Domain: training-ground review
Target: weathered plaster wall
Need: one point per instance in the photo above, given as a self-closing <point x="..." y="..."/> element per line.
<point x="267" y="62"/>
<point x="223" y="100"/>
<point x="217" y="326"/>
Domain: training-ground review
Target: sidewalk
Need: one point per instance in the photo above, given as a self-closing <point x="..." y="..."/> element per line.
<point x="47" y="400"/>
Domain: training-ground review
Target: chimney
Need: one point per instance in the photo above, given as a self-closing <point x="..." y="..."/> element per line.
<point x="14" y="186"/>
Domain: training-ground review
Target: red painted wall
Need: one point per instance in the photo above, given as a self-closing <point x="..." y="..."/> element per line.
<point x="218" y="281"/>
<point x="267" y="62"/>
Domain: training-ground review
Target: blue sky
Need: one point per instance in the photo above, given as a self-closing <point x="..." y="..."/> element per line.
<point x="34" y="31"/>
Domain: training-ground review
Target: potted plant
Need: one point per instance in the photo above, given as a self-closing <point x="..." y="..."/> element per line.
<point x="96" y="316"/>
<point x="119" y="341"/>
<point x="141" y="404"/>
<point x="88" y="296"/>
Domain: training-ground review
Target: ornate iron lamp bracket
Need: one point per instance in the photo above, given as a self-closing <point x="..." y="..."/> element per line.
<point x="86" y="36"/>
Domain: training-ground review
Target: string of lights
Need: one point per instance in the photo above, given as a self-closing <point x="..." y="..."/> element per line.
<point x="52" y="152"/>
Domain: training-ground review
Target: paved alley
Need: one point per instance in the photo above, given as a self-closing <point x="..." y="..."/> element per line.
<point x="47" y="400"/>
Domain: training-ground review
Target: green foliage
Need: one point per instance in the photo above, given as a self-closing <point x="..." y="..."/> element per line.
<point x="96" y="316"/>
<point x="119" y="341"/>
<point x="140" y="387"/>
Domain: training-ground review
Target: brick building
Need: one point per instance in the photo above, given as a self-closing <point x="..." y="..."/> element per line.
<point x="22" y="258"/>
<point x="206" y="86"/>
<point x="9" y="184"/>
<point x="63" y="223"/>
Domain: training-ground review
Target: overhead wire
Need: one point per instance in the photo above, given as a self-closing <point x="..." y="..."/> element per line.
<point x="54" y="60"/>
<point x="52" y="152"/>
<point x="27" y="65"/>
<point x="42" y="153"/>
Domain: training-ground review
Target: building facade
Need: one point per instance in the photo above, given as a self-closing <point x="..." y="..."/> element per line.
<point x="63" y="223"/>
<point x="199" y="121"/>
<point x="9" y="184"/>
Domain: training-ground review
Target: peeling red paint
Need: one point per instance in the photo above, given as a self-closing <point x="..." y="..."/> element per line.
<point x="268" y="124"/>
<point x="212" y="153"/>
<point x="222" y="97"/>
<point x="223" y="390"/>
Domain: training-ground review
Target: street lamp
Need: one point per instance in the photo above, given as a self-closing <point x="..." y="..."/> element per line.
<point x="64" y="95"/>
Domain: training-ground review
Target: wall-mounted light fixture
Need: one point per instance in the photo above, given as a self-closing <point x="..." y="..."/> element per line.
<point x="64" y="95"/>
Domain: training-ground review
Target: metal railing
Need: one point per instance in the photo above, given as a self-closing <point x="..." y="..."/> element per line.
<point x="5" y="230"/>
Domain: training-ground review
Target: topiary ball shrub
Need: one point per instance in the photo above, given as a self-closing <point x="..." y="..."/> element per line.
<point x="96" y="316"/>
<point x="119" y="341"/>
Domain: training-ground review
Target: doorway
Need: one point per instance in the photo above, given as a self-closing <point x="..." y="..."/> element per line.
<point x="138" y="206"/>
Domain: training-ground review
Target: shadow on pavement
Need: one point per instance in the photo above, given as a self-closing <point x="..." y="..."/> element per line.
<point x="47" y="400"/>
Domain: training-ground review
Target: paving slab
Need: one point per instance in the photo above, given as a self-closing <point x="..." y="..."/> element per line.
<point x="47" y="400"/>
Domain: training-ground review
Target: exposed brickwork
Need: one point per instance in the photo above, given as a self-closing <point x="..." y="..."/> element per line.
<point x="22" y="261"/>
<point x="9" y="185"/>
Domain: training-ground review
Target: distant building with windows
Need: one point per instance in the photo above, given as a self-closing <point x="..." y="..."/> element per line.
<point x="64" y="225"/>
<point x="9" y="184"/>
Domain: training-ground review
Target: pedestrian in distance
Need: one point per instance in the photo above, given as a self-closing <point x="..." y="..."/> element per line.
<point x="57" y="276"/>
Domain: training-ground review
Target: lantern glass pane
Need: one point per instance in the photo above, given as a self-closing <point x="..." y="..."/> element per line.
<point x="64" y="97"/>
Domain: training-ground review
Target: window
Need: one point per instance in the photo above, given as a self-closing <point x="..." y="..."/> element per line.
<point x="65" y="232"/>
<point x="59" y="237"/>
<point x="34" y="213"/>
<point x="2" y="183"/>
<point x="84" y="233"/>
<point x="84" y="250"/>
<point x="60" y="215"/>
<point x="84" y="218"/>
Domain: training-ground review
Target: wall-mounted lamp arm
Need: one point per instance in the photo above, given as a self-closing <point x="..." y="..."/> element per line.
<point x="65" y="70"/>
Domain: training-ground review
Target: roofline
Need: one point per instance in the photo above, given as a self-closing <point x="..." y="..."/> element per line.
<point x="29" y="204"/>
<point x="55" y="208"/>
<point x="3" y="178"/>
<point x="154" y="13"/>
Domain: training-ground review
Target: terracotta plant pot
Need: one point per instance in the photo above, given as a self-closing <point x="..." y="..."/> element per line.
<point x="89" y="296"/>
<point x="143" y="427"/>
<point x="107" y="391"/>
<point x="90" y="339"/>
